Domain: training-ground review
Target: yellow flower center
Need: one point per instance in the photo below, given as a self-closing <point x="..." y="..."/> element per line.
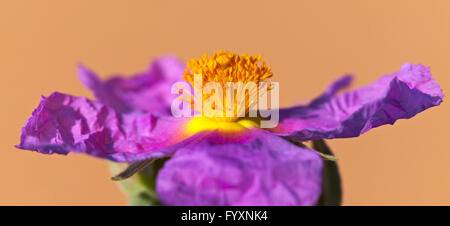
<point x="199" y="124"/>
<point x="223" y="68"/>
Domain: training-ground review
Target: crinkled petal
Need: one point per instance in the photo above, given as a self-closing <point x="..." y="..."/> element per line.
<point x="400" y="95"/>
<point x="256" y="169"/>
<point x="148" y="91"/>
<point x="334" y="88"/>
<point x="63" y="123"/>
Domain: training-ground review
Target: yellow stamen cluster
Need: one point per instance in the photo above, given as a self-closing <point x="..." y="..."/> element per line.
<point x="223" y="67"/>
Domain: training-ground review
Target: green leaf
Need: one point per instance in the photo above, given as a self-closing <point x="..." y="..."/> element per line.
<point x="132" y="169"/>
<point x="331" y="187"/>
<point x="140" y="188"/>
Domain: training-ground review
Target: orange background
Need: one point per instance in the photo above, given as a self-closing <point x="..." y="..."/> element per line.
<point x="307" y="43"/>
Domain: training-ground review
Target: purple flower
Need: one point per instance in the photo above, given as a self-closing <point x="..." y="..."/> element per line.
<point x="130" y="121"/>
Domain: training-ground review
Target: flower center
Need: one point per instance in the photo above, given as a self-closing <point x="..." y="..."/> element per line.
<point x="238" y="76"/>
<point x="199" y="124"/>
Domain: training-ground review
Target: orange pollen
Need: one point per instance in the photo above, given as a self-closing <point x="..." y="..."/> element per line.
<point x="224" y="67"/>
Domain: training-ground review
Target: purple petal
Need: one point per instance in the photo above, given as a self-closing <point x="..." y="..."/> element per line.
<point x="334" y="88"/>
<point x="400" y="95"/>
<point x="258" y="169"/>
<point x="63" y="123"/>
<point x="148" y="91"/>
